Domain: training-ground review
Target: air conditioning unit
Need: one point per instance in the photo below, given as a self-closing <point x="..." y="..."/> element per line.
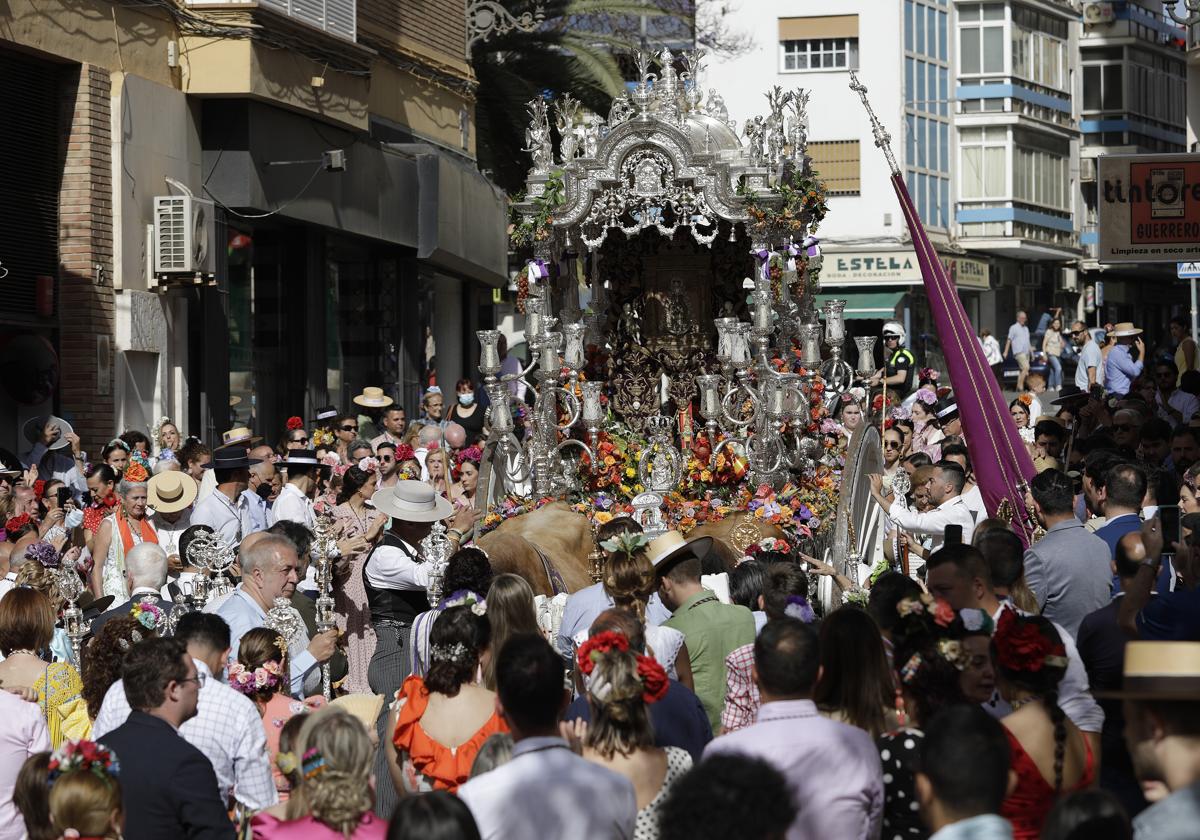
<point x="1068" y="280"/>
<point x="1098" y="12"/>
<point x="1087" y="170"/>
<point x="185" y="235"/>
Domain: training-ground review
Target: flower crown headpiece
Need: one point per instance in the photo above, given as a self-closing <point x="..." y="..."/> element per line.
<point x="82" y="755"/>
<point x="44" y="553"/>
<point x="465" y="598"/>
<point x="147" y="614"/>
<point x="294" y="424"/>
<point x="472" y="453"/>
<point x="650" y="673"/>
<point x="266" y="676"/>
<point x="626" y="542"/>
<point x="1020" y="645"/>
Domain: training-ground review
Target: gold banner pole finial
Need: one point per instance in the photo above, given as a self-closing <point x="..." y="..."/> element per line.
<point x="882" y="138"/>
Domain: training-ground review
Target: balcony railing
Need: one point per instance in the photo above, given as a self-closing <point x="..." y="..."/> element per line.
<point x="336" y="17"/>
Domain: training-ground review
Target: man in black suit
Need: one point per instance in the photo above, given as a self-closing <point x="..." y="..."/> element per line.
<point x="145" y="576"/>
<point x="168" y="788"/>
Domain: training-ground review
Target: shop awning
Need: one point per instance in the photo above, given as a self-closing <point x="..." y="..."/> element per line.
<point x="872" y="305"/>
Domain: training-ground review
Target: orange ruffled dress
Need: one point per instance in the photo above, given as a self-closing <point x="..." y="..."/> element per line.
<point x="426" y="764"/>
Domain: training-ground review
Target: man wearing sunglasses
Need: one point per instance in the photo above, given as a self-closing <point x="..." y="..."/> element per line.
<point x="1091" y="361"/>
<point x="389" y="467"/>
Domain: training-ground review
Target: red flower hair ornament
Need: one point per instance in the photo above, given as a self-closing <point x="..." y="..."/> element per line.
<point x="294" y="423"/>
<point x="1020" y="645"/>
<point x="651" y="675"/>
<point x="404" y="452"/>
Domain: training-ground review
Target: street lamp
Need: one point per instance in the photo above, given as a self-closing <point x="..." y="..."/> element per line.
<point x="1191" y="18"/>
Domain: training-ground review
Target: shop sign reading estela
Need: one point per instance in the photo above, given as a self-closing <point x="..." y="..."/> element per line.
<point x="871" y="268"/>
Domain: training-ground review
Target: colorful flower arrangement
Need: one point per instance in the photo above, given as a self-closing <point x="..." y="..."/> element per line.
<point x="82" y="755"/>
<point x="141" y="459"/>
<point x="147" y="614"/>
<point x="322" y="437"/>
<point x="265" y="677"/>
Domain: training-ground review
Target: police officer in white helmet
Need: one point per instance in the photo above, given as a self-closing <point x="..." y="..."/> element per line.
<point x="900" y="365"/>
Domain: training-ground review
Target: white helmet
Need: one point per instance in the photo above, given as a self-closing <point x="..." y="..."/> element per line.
<point x="897" y="329"/>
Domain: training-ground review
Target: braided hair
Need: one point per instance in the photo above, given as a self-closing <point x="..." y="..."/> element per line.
<point x="1030" y="656"/>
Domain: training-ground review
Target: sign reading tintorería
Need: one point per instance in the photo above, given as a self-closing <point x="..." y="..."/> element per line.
<point x="900" y="268"/>
<point x="1149" y="208"/>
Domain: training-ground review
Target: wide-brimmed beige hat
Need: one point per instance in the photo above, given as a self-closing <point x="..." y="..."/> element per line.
<point x="373" y="398"/>
<point x="1125" y="329"/>
<point x="1160" y="671"/>
<point x="239" y="436"/>
<point x="412" y="501"/>
<point x="33" y="431"/>
<point x="667" y="550"/>
<point x="171" y="491"/>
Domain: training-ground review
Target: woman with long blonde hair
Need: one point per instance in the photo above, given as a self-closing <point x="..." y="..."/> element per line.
<point x="620" y="685"/>
<point x="437" y="462"/>
<point x="335" y="796"/>
<point x="510" y="611"/>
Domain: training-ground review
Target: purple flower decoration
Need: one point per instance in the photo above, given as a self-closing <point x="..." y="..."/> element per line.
<point x="798" y="607"/>
<point x="44" y="553"/>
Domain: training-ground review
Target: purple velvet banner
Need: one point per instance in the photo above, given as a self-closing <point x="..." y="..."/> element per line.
<point x="1002" y="463"/>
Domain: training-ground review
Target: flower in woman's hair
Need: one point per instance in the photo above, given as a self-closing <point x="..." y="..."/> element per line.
<point x="910" y="606"/>
<point x="167" y="455"/>
<point x="625" y="542"/>
<point x="594" y="648"/>
<point x="456" y="652"/>
<point x="404" y="452"/>
<point x="901" y="413"/>
<point x="135" y="473"/>
<point x="1025" y="400"/>
<point x="147" y="614"/>
<point x="952" y="651"/>
<point x="799" y="608"/>
<point x="472" y="453"/>
<point x="313" y="763"/>
<point x="44" y="553"/>
<point x="16" y="523"/>
<point x="82" y="755"/>
<point x="39" y="488"/>
<point x="465" y="598"/>
<point x="294" y="424"/>
<point x="1020" y="645"/>
<point x="975" y="621"/>
<point x="286" y="762"/>
<point x="368" y="465"/>
<point x="943" y="613"/>
<point x="927" y="397"/>
<point x="653" y="677"/>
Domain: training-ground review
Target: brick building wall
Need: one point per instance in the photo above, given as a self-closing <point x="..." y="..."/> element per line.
<point x="85" y="248"/>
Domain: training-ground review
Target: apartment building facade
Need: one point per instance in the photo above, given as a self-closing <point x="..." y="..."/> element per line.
<point x="326" y="151"/>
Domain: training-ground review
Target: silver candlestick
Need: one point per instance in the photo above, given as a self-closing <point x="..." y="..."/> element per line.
<point x="323" y="542"/>
<point x="435" y="548"/>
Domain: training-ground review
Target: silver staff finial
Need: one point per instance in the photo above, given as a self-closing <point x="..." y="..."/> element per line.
<point x="882" y="139"/>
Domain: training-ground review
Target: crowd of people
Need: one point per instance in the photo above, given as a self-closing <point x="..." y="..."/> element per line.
<point x="969" y="686"/>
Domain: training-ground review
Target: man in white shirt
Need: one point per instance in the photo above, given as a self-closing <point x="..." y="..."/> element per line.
<point x="225" y="510"/>
<point x="259" y="487"/>
<point x="170" y="495"/>
<point x="511" y="801"/>
<point x="227" y="727"/>
<point x="295" y="504"/>
<point x="269" y="571"/>
<point x="945" y="491"/>
<point x="972" y="496"/>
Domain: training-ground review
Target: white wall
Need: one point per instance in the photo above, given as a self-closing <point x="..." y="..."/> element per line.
<point x="155" y="136"/>
<point x="835" y="112"/>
